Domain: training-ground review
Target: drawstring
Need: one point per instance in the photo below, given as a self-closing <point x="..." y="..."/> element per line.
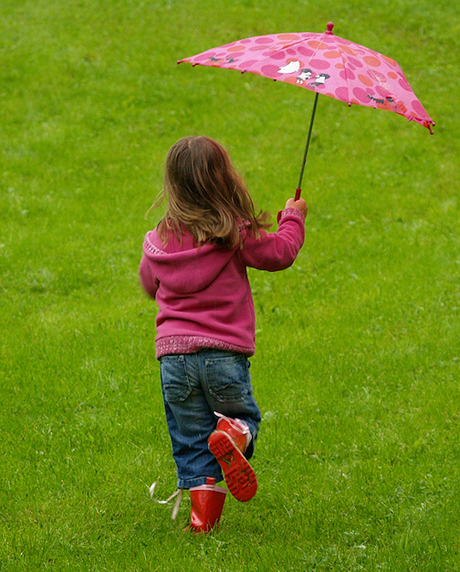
<point x="177" y="494"/>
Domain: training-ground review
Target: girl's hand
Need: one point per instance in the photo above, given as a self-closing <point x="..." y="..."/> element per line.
<point x="300" y="204"/>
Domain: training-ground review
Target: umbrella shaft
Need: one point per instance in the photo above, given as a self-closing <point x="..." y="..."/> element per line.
<point x="308" y="142"/>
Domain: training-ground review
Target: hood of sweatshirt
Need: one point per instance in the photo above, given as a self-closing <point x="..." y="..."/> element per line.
<point x="182" y="267"/>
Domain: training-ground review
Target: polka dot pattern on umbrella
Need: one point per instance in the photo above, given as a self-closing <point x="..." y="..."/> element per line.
<point x="324" y="63"/>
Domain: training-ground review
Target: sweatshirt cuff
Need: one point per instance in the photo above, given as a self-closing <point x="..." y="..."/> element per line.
<point x="291" y="211"/>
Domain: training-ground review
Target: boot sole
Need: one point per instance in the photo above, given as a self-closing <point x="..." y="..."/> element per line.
<point x="238" y="473"/>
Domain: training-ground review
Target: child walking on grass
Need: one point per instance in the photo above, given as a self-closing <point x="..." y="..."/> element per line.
<point x="194" y="265"/>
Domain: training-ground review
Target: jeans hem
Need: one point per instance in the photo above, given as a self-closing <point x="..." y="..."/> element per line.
<point x="196" y="482"/>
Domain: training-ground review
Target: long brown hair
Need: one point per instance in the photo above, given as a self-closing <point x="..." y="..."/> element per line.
<point x="206" y="195"/>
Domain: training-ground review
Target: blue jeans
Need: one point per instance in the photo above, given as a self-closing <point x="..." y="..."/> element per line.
<point x="194" y="387"/>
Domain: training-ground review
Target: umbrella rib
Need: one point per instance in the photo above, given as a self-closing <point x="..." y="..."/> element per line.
<point x="344" y="61"/>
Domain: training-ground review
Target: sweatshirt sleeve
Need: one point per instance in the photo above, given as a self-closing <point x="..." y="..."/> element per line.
<point x="276" y="250"/>
<point x="148" y="281"/>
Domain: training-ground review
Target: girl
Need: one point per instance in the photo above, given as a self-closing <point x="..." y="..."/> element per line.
<point x="194" y="265"/>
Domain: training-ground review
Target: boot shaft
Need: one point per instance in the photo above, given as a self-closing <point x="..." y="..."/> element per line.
<point x="237" y="430"/>
<point x="207" y="503"/>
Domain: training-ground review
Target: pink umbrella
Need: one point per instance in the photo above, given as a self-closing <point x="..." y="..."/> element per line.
<point x="326" y="64"/>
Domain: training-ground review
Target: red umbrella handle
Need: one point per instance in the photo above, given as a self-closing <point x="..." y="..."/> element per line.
<point x="297" y="194"/>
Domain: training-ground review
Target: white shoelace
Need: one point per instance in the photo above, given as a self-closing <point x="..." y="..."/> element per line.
<point x="177" y="494"/>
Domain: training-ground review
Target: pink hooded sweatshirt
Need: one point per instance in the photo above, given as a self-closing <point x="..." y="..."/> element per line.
<point x="203" y="294"/>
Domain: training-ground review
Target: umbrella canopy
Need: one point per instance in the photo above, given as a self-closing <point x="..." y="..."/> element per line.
<point x="326" y="64"/>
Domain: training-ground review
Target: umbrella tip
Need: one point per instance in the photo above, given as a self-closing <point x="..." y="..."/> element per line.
<point x="330" y="26"/>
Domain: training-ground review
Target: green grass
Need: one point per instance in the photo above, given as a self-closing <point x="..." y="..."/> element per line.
<point x="358" y="344"/>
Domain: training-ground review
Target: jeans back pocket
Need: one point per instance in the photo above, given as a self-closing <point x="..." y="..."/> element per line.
<point x="174" y="380"/>
<point x="228" y="377"/>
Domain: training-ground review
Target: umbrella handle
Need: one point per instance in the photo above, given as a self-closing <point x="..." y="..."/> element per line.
<point x="297" y="194"/>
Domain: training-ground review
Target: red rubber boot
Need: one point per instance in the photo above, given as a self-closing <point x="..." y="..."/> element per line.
<point x="228" y="443"/>
<point x="207" y="505"/>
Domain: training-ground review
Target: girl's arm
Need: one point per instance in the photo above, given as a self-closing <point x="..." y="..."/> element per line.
<point x="278" y="250"/>
<point x="148" y="281"/>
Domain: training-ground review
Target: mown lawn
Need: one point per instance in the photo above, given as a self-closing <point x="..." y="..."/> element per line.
<point x="358" y="344"/>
